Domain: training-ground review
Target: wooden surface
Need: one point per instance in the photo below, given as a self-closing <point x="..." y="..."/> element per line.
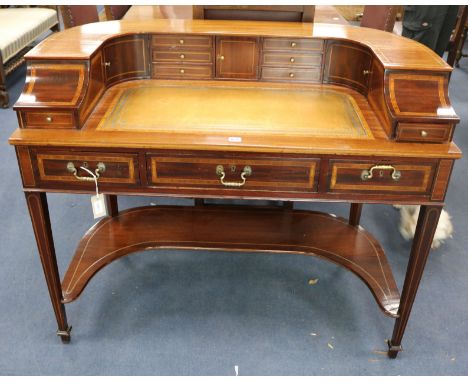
<point x="256" y="230"/>
<point x="392" y="51"/>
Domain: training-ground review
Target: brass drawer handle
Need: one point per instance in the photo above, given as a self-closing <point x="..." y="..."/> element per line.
<point x="49" y="119"/>
<point x="182" y="71"/>
<point x="366" y="72"/>
<point x="369" y="174"/>
<point x="107" y="64"/>
<point x="424" y="133"/>
<point x="247" y="171"/>
<point x="182" y="56"/>
<point x="293" y="44"/>
<point x="292" y="60"/>
<point x="101" y="167"/>
<point x="220" y="57"/>
<point x="292" y="75"/>
<point x="181" y="42"/>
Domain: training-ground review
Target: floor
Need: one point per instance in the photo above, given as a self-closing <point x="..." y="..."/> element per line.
<point x="201" y="313"/>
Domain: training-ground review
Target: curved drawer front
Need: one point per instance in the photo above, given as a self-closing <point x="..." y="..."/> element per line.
<point x="381" y="177"/>
<point x="269" y="174"/>
<point x="55" y="167"/>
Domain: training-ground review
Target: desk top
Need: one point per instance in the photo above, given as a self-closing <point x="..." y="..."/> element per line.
<point x="149" y="106"/>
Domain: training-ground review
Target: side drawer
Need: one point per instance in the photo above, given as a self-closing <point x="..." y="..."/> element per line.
<point x="379" y="177"/>
<point x="291" y="75"/>
<point x="53" y="167"/>
<point x="291" y="59"/>
<point x="411" y="132"/>
<point x="182" y="71"/>
<point x="292" y="44"/>
<point x="48" y="119"/>
<point x="183" y="56"/>
<point x="269" y="174"/>
<point x="179" y="42"/>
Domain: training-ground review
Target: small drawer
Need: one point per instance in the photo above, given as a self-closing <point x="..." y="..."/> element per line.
<point x="272" y="174"/>
<point x="282" y="59"/>
<point x="378" y="177"/>
<point x="182" y="71"/>
<point x="183" y="56"/>
<point x="411" y="132"/>
<point x="118" y="168"/>
<point x="291" y="75"/>
<point x="292" y="45"/>
<point x="181" y="42"/>
<point x="48" y="120"/>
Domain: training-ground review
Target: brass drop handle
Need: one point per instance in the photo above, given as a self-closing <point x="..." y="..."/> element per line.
<point x="107" y="64"/>
<point x="247" y="171"/>
<point x="369" y="174"/>
<point x="292" y="59"/>
<point x="366" y="72"/>
<point x="101" y="167"/>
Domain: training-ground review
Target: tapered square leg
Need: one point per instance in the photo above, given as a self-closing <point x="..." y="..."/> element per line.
<point x="355" y="214"/>
<point x="425" y="229"/>
<point x="38" y="209"/>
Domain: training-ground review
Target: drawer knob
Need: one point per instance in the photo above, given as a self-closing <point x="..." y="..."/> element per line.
<point x="181" y="42"/>
<point x="291" y="75"/>
<point x="182" y="56"/>
<point x="48" y="119"/>
<point x="107" y="64"/>
<point x="293" y="44"/>
<point x="220" y="57"/>
<point x="247" y="171"/>
<point x="366" y="72"/>
<point x="424" y="133"/>
<point x="292" y="59"/>
<point x="369" y="174"/>
<point x="100" y="168"/>
<point x="182" y="71"/>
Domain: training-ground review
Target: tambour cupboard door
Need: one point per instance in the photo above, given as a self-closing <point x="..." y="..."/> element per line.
<point x="237" y="57"/>
<point x="126" y="58"/>
<point x="348" y="64"/>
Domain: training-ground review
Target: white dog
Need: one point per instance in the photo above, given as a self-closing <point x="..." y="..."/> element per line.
<point x="409" y="219"/>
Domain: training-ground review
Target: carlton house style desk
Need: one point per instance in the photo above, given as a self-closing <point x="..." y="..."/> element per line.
<point x="236" y="109"/>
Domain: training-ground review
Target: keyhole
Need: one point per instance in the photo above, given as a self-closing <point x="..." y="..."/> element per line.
<point x="381" y="173"/>
<point x="85" y="164"/>
<point x="233" y="169"/>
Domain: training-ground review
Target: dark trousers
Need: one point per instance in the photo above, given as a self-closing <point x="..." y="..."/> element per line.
<point x="431" y="25"/>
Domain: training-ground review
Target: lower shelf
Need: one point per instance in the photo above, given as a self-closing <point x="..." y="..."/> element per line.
<point x="247" y="229"/>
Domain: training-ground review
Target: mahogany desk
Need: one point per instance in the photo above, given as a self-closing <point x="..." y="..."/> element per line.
<point x="323" y="13"/>
<point x="252" y="110"/>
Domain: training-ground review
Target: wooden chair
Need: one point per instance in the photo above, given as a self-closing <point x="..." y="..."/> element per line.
<point x="75" y="15"/>
<point x="458" y="38"/>
<point x="115" y="12"/>
<point x="379" y="17"/>
<point x="298" y="13"/>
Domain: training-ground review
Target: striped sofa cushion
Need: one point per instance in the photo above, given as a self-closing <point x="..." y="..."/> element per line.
<point x="19" y="27"/>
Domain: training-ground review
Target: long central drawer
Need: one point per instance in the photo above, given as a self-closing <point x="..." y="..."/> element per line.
<point x="225" y="172"/>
